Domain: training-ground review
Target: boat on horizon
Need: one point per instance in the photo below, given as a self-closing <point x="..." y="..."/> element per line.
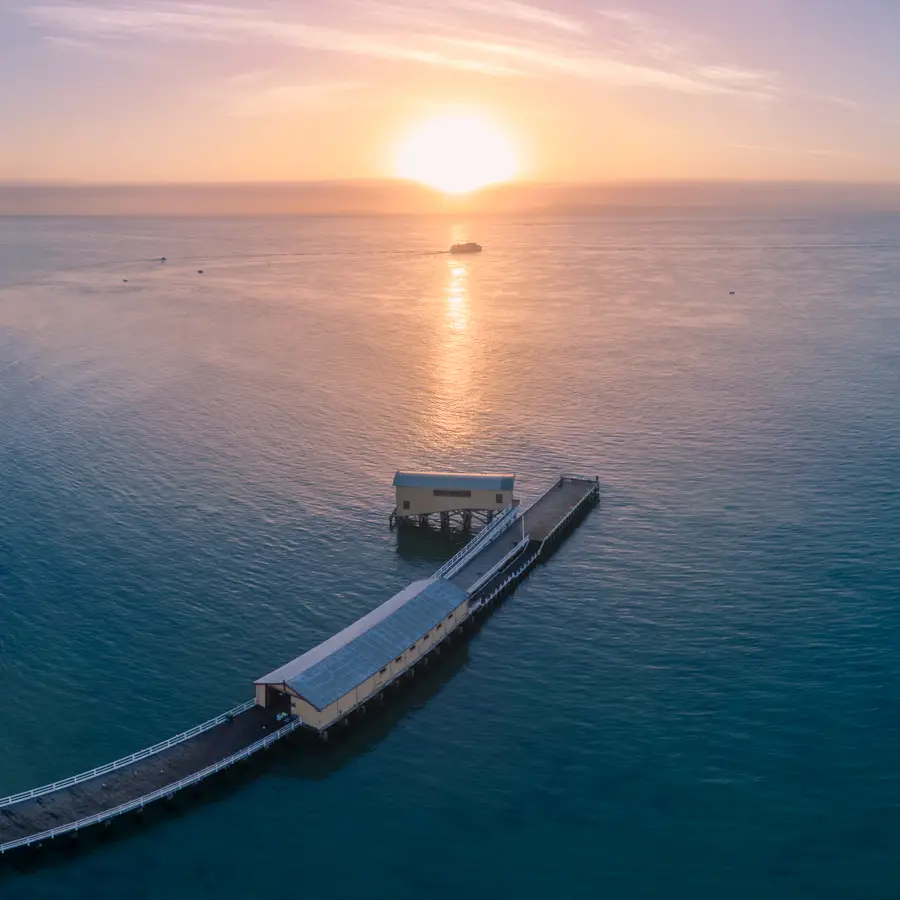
<point x="470" y="247"/>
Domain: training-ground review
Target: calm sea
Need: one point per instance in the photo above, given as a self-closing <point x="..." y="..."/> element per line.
<point x="699" y="697"/>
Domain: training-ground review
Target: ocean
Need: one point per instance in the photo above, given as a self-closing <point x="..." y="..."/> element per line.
<point x="698" y="697"/>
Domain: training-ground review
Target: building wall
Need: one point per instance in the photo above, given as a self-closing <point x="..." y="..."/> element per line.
<point x="398" y="666"/>
<point x="371" y="686"/>
<point x="365" y="690"/>
<point x="424" y="500"/>
<point x="309" y="714"/>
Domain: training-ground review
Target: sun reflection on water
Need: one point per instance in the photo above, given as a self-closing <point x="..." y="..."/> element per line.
<point x="453" y="404"/>
<point x="458" y="298"/>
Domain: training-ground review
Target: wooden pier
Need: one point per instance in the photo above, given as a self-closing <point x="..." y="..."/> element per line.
<point x="487" y="568"/>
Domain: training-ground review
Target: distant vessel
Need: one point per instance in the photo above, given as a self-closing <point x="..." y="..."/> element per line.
<point x="471" y="247"/>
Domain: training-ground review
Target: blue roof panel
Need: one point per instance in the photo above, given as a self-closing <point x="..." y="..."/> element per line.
<point x="463" y="481"/>
<point x="350" y="665"/>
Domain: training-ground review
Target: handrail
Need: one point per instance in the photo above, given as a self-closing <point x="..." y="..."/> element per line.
<point x="166" y="791"/>
<point x="127" y="760"/>
<point x="509" y="515"/>
<point x="498" y="566"/>
<point x="509" y="579"/>
<point x="501" y="523"/>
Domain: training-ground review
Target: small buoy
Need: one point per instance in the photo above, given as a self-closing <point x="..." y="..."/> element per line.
<point x="731" y="293"/>
<point x="199" y="271"/>
<point x="125" y="280"/>
<point x="162" y="259"/>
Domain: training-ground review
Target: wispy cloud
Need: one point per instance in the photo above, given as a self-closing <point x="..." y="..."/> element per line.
<point x="203" y="22"/>
<point x="833" y="100"/>
<point x="685" y="79"/>
<point x="69" y="43"/>
<point x="524" y="12"/>
<point x="433" y="33"/>
<point x="650" y="36"/>
<point x="653" y="42"/>
<point x="793" y="150"/>
<point x="252" y="98"/>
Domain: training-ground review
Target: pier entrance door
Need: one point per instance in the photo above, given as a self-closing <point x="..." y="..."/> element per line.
<point x="273" y="695"/>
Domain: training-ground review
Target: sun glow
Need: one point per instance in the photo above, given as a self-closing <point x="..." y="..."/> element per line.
<point x="456" y="153"/>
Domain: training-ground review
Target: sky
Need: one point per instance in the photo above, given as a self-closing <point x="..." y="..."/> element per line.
<point x="586" y="90"/>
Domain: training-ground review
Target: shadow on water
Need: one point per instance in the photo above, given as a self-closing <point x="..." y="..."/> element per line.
<point x="301" y="756"/>
<point x="416" y="543"/>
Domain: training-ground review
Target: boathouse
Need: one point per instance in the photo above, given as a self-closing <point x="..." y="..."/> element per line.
<point x="342" y="673"/>
<point x="451" y="496"/>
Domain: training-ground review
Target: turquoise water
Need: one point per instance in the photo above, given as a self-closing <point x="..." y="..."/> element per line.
<point x="697" y="697"/>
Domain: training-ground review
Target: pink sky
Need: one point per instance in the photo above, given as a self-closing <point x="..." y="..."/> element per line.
<point x="111" y="90"/>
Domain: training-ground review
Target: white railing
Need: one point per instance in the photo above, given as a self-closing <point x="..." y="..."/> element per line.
<point x="487" y="534"/>
<point x="512" y="577"/>
<point x="496" y="568"/>
<point x="127" y="760"/>
<point x="166" y="791"/>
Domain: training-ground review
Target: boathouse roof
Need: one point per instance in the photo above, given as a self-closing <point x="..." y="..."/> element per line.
<point x="466" y="481"/>
<point x="336" y="666"/>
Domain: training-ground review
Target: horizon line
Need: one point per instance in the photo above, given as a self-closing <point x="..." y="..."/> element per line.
<point x="349" y="182"/>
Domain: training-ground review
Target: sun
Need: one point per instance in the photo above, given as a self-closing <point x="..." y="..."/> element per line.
<point x="456" y="154"/>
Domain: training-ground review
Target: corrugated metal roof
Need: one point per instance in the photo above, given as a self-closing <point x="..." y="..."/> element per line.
<point x="472" y="481"/>
<point x="338" y="665"/>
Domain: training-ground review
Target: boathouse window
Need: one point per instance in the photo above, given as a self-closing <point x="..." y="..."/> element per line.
<point x="383" y="670"/>
<point x="406" y="504"/>
<point x="438" y="492"/>
<point x="399" y="659"/>
<point x="499" y="498"/>
<point x="427" y="635"/>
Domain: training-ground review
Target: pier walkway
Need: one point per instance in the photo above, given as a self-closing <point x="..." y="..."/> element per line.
<point x="135" y="781"/>
<point x="489" y="566"/>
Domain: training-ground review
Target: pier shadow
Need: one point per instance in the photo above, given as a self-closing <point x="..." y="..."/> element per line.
<point x="420" y="543"/>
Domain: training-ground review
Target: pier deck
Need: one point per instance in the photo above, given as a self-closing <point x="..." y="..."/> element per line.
<point x="543" y="516"/>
